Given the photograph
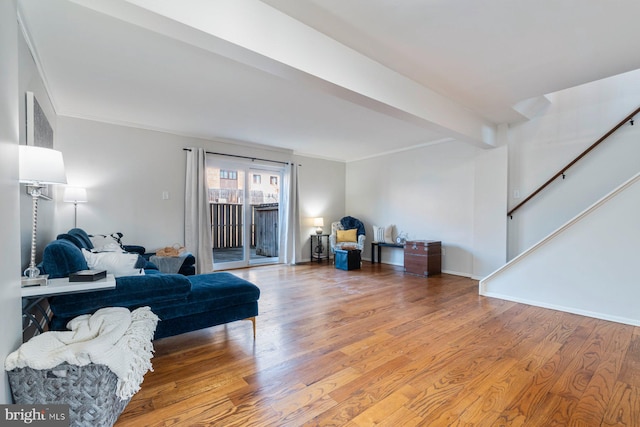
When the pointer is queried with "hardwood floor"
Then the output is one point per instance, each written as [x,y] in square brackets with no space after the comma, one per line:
[378,347]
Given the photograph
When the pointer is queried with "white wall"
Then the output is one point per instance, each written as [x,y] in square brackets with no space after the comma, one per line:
[322,194]
[490,207]
[430,193]
[10,302]
[539,148]
[126,170]
[588,267]
[31,81]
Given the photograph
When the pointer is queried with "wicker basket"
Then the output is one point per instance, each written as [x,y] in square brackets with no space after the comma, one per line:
[89,390]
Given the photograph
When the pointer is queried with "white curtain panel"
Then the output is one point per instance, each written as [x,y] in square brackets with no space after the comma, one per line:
[290,218]
[197,226]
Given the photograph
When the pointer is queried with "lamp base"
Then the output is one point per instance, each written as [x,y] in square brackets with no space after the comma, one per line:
[35,281]
[32,272]
[318,230]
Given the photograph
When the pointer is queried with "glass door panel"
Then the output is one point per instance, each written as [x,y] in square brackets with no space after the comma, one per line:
[245,213]
[264,196]
[227,201]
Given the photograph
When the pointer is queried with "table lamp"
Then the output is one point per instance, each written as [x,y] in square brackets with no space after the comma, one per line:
[75,195]
[38,167]
[318,223]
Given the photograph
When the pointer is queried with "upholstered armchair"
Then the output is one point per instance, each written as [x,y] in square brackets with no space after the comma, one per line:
[347,240]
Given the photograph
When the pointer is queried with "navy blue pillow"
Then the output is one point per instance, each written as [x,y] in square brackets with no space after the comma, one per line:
[83,236]
[61,258]
[73,239]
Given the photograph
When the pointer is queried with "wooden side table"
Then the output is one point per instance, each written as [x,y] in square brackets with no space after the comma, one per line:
[319,250]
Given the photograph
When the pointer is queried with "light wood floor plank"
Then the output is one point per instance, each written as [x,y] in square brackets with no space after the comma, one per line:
[624,407]
[377,347]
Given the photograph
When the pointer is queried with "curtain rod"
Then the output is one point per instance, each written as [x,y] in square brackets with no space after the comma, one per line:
[244,157]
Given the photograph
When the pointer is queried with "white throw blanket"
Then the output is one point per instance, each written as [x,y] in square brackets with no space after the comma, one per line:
[112,336]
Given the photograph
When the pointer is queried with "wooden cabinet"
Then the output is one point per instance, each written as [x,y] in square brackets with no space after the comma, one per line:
[423,257]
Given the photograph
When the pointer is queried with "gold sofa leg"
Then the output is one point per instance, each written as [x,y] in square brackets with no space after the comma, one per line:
[253,320]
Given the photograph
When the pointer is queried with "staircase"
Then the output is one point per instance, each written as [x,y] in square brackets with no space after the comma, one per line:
[588,266]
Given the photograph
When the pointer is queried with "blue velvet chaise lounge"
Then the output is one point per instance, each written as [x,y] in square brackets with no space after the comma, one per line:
[183,303]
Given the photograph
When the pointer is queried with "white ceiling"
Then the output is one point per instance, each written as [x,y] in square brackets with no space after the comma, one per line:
[390,75]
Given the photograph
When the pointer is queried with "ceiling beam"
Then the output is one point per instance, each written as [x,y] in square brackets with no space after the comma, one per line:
[260,36]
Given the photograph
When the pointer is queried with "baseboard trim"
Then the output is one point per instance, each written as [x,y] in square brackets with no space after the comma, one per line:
[587,313]
[457,273]
[452,272]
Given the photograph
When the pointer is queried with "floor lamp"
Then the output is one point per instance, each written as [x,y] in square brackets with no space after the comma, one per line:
[75,195]
[38,167]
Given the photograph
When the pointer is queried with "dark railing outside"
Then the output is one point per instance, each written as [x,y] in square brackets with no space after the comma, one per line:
[227,227]
[629,118]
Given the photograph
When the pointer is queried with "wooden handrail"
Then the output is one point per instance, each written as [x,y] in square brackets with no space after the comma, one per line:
[574,161]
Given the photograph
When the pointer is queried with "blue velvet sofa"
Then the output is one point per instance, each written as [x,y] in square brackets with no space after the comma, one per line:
[183,303]
[80,238]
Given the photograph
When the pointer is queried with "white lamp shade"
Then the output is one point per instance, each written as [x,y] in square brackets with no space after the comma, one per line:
[38,165]
[75,195]
[318,222]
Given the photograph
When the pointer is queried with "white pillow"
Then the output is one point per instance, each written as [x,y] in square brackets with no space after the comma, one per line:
[384,234]
[103,243]
[390,233]
[117,263]
[378,234]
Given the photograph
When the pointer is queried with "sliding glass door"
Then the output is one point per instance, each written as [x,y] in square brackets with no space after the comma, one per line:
[245,210]
[264,205]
